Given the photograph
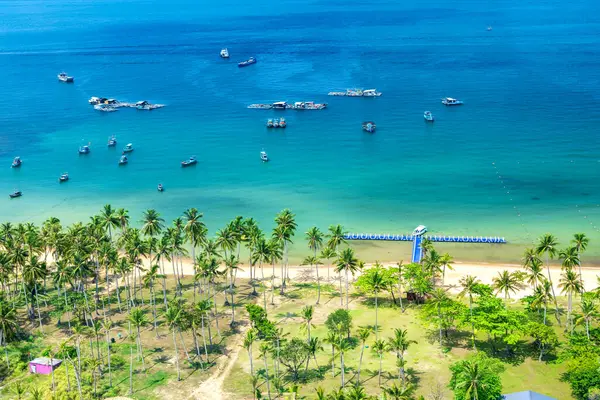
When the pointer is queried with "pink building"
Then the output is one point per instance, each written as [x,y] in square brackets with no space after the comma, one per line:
[42,365]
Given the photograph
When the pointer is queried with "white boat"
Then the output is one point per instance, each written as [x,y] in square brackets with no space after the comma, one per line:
[263,156]
[449,101]
[128,148]
[371,93]
[420,230]
[105,108]
[428,116]
[63,77]
[224,53]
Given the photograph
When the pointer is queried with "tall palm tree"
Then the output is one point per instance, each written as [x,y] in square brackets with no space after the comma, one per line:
[151,276]
[396,392]
[315,237]
[33,272]
[332,339]
[194,228]
[376,282]
[547,245]
[379,348]
[541,296]
[399,343]
[138,319]
[307,317]
[589,312]
[471,378]
[580,241]
[439,297]
[314,345]
[342,346]
[328,254]
[153,224]
[123,218]
[569,258]
[469,284]
[506,282]
[363,334]
[8,326]
[569,284]
[336,237]
[109,219]
[173,319]
[248,342]
[347,262]
[231,265]
[312,260]
[535,272]
[426,248]
[275,255]
[286,228]
[107,326]
[265,349]
[446,260]
[262,256]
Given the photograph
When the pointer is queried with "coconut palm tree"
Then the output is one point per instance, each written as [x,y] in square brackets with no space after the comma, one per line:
[328,254]
[123,218]
[379,348]
[332,339]
[569,284]
[314,345]
[153,225]
[307,316]
[248,342]
[399,343]
[363,334]
[231,266]
[312,260]
[376,282]
[194,228]
[265,349]
[439,297]
[547,245]
[446,260]
[426,248]
[286,228]
[315,237]
[469,284]
[8,325]
[109,219]
[541,296]
[471,378]
[151,276]
[589,312]
[580,241]
[506,282]
[107,326]
[173,319]
[347,262]
[342,345]
[262,255]
[395,392]
[138,319]
[569,258]
[275,255]
[535,272]
[336,237]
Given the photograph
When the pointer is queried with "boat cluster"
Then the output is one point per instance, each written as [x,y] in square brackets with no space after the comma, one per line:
[282,105]
[111,105]
[276,123]
[357,93]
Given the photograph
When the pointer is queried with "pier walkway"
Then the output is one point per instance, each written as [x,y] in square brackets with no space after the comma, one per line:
[417,252]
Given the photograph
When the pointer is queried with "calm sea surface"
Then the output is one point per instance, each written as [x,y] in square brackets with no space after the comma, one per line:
[519,159]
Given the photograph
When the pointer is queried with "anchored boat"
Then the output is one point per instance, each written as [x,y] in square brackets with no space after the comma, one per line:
[249,61]
[128,148]
[428,116]
[16,193]
[16,162]
[369,126]
[112,141]
[84,149]
[160,187]
[224,53]
[191,161]
[449,101]
[63,77]
[263,156]
[63,177]
[123,160]
[105,108]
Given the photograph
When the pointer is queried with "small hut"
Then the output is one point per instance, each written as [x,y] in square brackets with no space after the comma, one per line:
[43,365]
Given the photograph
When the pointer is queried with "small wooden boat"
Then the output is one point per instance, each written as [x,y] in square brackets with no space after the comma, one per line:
[369,126]
[269,123]
[160,187]
[263,156]
[224,53]
[16,162]
[63,77]
[128,148]
[428,116]
[16,193]
[123,160]
[250,61]
[84,149]
[63,177]
[282,123]
[112,141]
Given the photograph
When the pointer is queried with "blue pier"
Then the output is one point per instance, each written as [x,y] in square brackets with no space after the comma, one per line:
[417,251]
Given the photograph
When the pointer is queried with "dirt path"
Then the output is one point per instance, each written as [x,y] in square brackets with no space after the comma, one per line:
[212,388]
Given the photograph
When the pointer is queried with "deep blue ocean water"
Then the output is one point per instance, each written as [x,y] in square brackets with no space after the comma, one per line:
[519,159]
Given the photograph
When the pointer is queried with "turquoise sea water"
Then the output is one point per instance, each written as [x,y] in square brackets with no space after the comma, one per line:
[520,158]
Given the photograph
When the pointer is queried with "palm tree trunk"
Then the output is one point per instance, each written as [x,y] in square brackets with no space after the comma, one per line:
[472,322]
[37,302]
[318,281]
[545,312]
[153,301]
[380,360]
[347,288]
[376,316]
[118,294]
[130,370]
[569,309]
[204,338]
[332,360]
[587,328]
[176,355]
[141,349]
[342,365]
[267,376]
[108,358]
[440,318]
[362,350]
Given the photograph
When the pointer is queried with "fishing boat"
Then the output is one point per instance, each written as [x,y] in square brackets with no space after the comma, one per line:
[128,148]
[369,126]
[308,105]
[270,123]
[449,101]
[191,161]
[63,177]
[249,61]
[224,53]
[112,141]
[263,156]
[102,100]
[160,187]
[123,160]
[354,93]
[280,105]
[261,106]
[371,93]
[84,149]
[16,193]
[145,105]
[16,162]
[428,116]
[282,123]
[489,28]
[105,108]
[63,77]
[420,230]
[275,123]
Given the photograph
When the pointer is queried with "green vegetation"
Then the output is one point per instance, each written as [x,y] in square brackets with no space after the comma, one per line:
[101,297]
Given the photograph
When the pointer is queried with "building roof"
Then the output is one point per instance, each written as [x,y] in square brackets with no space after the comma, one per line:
[45,361]
[526,395]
